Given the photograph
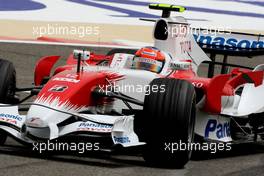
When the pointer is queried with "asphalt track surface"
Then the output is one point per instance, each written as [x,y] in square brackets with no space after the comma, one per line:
[15,159]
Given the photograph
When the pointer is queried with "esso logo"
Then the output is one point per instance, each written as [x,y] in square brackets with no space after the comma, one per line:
[197,84]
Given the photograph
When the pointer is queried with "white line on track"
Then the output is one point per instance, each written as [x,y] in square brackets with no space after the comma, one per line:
[68,44]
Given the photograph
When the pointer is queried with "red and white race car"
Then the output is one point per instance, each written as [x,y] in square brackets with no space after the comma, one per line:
[151,97]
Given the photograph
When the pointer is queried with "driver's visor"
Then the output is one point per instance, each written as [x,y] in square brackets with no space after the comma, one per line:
[147,64]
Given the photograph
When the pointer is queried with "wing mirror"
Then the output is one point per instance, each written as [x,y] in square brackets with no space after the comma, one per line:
[82,54]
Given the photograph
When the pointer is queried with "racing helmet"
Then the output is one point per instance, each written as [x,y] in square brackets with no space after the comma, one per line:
[149,58]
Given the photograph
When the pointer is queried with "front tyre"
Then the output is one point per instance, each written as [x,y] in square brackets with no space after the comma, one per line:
[169,118]
[7,88]
[3,137]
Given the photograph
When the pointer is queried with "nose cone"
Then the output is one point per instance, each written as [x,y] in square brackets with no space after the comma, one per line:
[39,116]
[43,122]
[36,122]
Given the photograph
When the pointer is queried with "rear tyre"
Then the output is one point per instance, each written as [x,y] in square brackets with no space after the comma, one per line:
[7,88]
[7,81]
[169,118]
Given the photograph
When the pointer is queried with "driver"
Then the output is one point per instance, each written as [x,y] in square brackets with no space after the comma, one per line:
[149,58]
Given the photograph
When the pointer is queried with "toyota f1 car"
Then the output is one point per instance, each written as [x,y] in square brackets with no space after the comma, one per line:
[149,97]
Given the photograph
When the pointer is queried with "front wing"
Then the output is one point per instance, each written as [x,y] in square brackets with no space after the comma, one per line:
[120,128]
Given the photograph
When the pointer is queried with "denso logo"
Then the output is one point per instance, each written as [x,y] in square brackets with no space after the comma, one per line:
[67,80]
[229,42]
[220,129]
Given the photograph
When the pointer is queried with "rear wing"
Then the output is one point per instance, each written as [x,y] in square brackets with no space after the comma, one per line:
[229,43]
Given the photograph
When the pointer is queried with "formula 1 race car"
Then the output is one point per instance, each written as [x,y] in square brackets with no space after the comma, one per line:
[151,97]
